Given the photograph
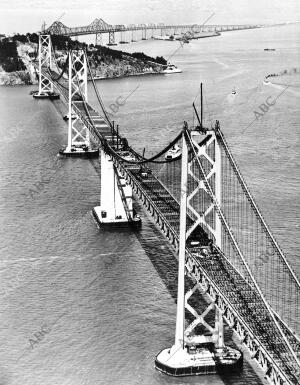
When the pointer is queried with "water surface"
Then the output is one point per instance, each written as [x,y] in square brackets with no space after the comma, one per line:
[102,301]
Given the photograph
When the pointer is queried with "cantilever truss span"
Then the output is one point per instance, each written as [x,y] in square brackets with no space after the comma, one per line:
[100,26]
[245,273]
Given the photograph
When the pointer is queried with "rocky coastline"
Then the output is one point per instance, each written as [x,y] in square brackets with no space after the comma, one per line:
[23,76]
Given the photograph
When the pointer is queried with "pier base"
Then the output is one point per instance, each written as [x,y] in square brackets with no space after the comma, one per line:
[180,362]
[116,206]
[198,360]
[80,151]
[101,218]
[66,117]
[46,95]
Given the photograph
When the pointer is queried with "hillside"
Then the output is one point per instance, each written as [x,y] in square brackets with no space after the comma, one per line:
[17,53]
[109,63]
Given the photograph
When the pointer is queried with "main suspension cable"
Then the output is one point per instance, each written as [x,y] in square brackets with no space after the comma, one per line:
[111,151]
[62,72]
[97,92]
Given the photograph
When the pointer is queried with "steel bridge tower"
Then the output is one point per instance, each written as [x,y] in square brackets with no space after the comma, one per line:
[98,39]
[194,353]
[45,61]
[79,141]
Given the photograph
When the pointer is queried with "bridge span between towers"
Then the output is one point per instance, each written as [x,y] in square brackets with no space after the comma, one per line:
[202,205]
[99,27]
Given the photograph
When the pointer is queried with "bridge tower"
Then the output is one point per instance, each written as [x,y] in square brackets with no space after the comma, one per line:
[152,26]
[115,197]
[123,37]
[98,39]
[195,352]
[78,134]
[132,36]
[45,61]
[111,38]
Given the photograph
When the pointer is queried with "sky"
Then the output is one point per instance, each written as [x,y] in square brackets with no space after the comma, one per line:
[28,15]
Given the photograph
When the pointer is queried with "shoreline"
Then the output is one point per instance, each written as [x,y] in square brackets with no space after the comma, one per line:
[10,82]
[125,76]
[105,63]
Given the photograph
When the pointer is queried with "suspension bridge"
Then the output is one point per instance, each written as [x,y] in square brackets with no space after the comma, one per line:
[99,27]
[201,203]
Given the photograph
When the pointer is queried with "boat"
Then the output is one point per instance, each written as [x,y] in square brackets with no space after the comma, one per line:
[266,80]
[171,69]
[233,92]
[174,153]
[66,117]
[269,49]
